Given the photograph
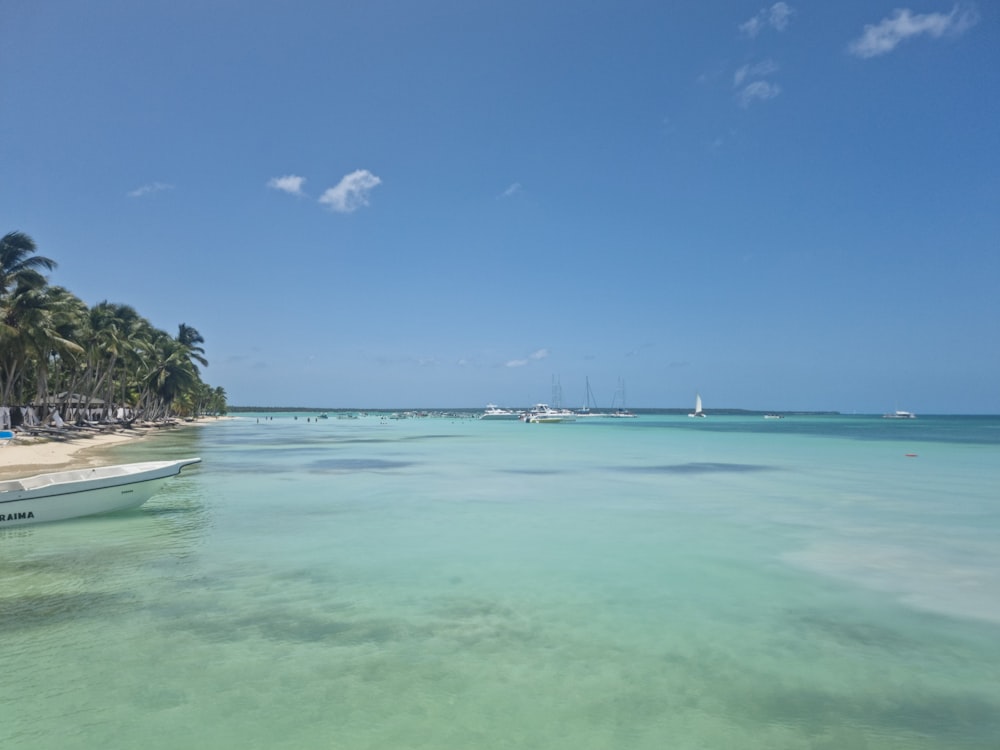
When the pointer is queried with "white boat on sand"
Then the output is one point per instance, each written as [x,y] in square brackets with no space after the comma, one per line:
[83,492]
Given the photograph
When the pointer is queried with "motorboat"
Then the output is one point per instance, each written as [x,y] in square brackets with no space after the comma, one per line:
[543,413]
[83,492]
[899,414]
[495,412]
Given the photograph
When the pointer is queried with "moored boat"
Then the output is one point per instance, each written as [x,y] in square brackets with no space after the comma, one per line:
[83,492]
[586,410]
[495,412]
[899,414]
[621,414]
[543,413]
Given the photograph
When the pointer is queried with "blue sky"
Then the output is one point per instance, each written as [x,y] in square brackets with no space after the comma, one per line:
[389,204]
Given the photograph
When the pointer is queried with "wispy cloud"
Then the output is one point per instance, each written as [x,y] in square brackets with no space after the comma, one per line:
[883,37]
[758,91]
[291,184]
[757,70]
[512,189]
[533,357]
[351,193]
[776,17]
[153,187]
[751,85]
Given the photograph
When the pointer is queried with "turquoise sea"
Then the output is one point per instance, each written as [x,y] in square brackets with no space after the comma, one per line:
[447,583]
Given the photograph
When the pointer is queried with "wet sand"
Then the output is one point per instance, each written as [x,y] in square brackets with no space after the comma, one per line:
[26,456]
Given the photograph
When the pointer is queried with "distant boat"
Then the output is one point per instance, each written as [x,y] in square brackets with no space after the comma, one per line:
[586,411]
[495,412]
[899,414]
[621,412]
[772,416]
[697,407]
[83,492]
[543,413]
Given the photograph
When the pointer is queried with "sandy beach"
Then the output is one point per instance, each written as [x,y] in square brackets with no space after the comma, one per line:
[25,456]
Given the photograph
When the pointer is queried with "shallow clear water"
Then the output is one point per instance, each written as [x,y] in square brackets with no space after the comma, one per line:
[445,583]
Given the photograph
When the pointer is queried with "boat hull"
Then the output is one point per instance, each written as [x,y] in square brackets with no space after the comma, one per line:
[83,492]
[544,414]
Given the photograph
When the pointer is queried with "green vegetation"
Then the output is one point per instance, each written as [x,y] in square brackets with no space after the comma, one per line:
[58,354]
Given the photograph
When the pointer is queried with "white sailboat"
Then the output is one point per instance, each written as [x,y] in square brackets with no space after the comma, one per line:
[697,407]
[621,412]
[587,411]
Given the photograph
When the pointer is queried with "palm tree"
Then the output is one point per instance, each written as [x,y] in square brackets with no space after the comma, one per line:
[18,275]
[50,342]
[170,375]
[217,403]
[36,326]
[19,265]
[190,338]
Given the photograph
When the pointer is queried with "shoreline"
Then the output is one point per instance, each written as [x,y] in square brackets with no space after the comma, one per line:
[24,457]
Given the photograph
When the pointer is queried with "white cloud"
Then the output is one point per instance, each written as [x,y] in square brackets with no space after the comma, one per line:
[779,16]
[514,187]
[883,37]
[534,356]
[291,184]
[757,70]
[752,27]
[351,193]
[775,17]
[758,91]
[153,187]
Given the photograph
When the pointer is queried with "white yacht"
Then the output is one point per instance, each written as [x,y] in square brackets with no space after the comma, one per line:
[540,413]
[495,412]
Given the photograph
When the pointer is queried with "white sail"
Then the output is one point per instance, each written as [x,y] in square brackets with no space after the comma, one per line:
[697,407]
